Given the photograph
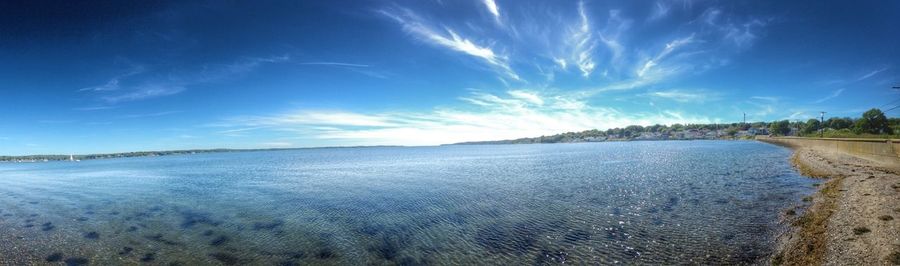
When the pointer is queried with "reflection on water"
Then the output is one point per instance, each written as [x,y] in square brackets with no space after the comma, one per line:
[638,202]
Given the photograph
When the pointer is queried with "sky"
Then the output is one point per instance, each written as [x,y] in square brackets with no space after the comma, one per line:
[114,76]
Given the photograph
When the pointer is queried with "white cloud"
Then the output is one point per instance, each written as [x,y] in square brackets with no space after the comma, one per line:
[145,92]
[179,82]
[113,83]
[163,113]
[530,97]
[660,11]
[489,116]
[584,44]
[871,74]
[741,34]
[492,7]
[332,64]
[93,108]
[684,96]
[834,94]
[765,98]
[667,49]
[448,38]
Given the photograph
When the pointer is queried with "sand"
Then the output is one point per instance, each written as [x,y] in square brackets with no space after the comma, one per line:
[853,219]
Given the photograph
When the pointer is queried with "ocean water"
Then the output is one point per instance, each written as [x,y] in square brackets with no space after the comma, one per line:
[675,202]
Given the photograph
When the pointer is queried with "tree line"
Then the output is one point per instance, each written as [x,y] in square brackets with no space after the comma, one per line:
[872,123]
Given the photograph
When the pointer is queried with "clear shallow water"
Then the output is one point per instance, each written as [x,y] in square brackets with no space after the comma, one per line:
[694,202]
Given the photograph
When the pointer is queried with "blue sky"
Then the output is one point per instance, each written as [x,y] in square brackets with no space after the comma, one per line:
[115,76]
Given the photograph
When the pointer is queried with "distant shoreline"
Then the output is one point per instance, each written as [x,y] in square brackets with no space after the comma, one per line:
[82,157]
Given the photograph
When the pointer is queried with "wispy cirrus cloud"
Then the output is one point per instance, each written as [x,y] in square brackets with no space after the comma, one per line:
[667,49]
[492,7]
[167,84]
[740,33]
[113,83]
[685,96]
[332,64]
[146,91]
[833,95]
[871,74]
[448,38]
[606,59]
[94,108]
[765,98]
[660,10]
[146,115]
[583,43]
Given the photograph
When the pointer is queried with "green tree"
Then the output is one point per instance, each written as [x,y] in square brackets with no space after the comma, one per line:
[732,131]
[873,121]
[838,123]
[782,127]
[811,126]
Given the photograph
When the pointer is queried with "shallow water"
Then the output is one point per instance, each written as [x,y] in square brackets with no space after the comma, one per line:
[696,202]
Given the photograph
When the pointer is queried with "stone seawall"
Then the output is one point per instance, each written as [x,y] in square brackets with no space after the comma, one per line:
[885,151]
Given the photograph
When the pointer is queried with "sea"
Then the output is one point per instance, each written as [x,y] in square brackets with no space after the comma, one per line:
[646,202]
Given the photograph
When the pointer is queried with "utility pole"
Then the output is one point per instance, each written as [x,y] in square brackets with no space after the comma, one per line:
[822,125]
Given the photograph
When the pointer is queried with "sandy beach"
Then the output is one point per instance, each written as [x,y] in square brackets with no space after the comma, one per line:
[853,218]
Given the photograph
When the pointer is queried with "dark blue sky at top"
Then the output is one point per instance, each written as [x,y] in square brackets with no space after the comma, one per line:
[117,76]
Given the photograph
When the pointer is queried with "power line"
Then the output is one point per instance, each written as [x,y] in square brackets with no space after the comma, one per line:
[892,102]
[895,107]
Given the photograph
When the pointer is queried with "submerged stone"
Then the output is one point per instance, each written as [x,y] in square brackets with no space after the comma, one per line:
[190,219]
[92,235]
[518,239]
[325,254]
[159,238]
[267,226]
[126,251]
[76,261]
[225,258]
[55,257]
[218,241]
[148,257]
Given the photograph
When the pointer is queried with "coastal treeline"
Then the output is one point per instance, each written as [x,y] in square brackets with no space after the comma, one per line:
[872,123]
